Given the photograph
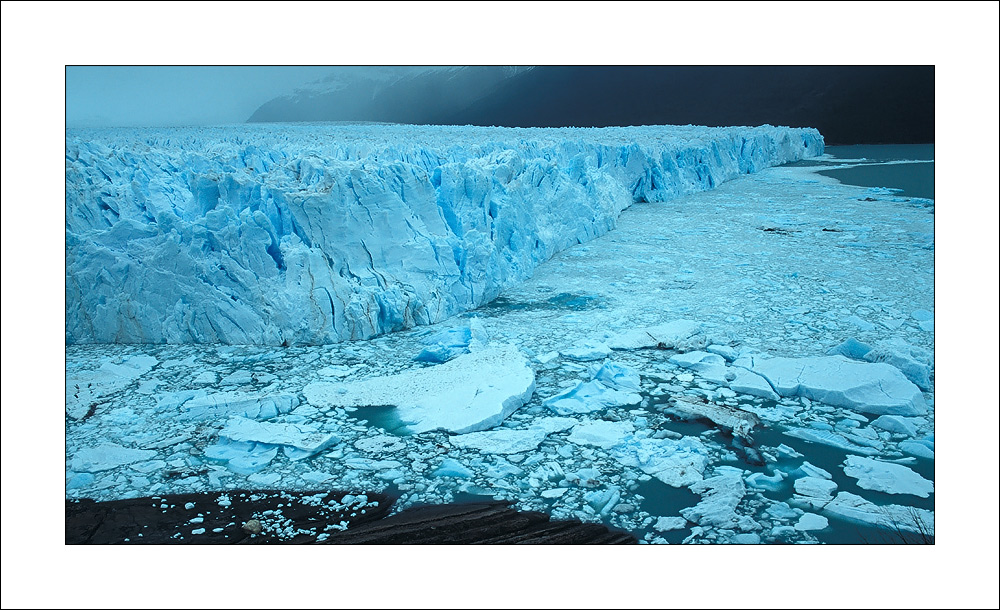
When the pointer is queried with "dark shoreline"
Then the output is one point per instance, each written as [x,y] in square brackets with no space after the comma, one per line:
[317,518]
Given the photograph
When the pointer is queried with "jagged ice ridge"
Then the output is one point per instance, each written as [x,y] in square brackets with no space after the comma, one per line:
[318,233]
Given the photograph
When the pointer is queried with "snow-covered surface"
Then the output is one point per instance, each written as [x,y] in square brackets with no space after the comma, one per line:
[765,295]
[306,234]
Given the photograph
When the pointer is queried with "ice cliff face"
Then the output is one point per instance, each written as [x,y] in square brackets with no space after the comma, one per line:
[306,234]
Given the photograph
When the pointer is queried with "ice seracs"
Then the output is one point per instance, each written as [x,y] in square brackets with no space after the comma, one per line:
[472,392]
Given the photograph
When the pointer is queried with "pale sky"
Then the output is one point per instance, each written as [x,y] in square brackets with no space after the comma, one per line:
[131,96]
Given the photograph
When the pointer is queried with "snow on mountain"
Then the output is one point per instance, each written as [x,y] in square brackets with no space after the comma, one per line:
[317,233]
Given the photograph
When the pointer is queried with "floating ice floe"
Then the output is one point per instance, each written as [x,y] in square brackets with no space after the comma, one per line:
[242,457]
[888,478]
[612,385]
[106,457]
[917,449]
[676,462]
[672,335]
[586,351]
[827,437]
[473,392]
[298,441]
[814,488]
[199,404]
[896,424]
[443,345]
[500,441]
[85,388]
[603,434]
[452,468]
[894,517]
[810,522]
[666,524]
[710,366]
[875,388]
[720,495]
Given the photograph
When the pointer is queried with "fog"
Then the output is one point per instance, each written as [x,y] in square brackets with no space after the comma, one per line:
[157,96]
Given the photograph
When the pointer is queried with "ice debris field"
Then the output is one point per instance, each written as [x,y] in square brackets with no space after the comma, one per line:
[745,358]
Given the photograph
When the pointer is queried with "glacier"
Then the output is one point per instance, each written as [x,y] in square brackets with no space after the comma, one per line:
[306,234]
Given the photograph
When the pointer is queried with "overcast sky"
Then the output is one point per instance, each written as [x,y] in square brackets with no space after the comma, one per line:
[127,96]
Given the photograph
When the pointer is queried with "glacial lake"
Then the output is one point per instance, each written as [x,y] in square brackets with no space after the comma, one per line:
[909,167]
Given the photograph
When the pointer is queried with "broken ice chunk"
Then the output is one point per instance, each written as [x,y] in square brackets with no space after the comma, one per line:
[300,441]
[672,335]
[603,434]
[885,477]
[452,468]
[472,392]
[710,366]
[852,348]
[107,456]
[500,441]
[613,385]
[875,388]
[586,351]
[811,522]
[896,424]
[444,345]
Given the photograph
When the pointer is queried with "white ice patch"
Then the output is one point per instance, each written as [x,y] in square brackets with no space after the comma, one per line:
[888,478]
[826,437]
[258,405]
[84,388]
[710,366]
[672,335]
[677,462]
[106,457]
[720,496]
[603,434]
[500,441]
[894,517]
[612,385]
[861,386]
[586,351]
[299,441]
[470,393]
[747,382]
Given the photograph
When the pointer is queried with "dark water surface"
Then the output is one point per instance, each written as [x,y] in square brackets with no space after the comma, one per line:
[875,169]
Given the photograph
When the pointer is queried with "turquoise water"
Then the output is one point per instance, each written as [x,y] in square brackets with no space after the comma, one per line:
[913,179]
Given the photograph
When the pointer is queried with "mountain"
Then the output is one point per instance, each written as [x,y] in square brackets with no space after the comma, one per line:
[392,94]
[848,104]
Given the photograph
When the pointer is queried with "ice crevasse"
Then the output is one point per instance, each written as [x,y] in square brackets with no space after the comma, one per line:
[318,233]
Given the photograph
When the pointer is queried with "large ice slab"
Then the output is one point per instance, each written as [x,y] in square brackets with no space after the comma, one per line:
[473,392]
[888,478]
[306,234]
[866,387]
[894,517]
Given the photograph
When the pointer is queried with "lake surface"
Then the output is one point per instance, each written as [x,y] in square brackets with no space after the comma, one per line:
[908,167]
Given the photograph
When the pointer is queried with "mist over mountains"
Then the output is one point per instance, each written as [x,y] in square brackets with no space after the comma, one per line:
[848,104]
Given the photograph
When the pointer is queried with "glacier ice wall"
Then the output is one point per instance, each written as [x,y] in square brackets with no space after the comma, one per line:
[317,233]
